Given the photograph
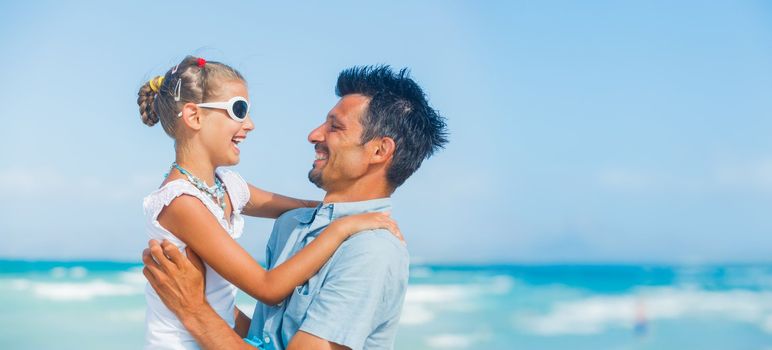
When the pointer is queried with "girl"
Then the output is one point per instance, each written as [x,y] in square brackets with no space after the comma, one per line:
[204,107]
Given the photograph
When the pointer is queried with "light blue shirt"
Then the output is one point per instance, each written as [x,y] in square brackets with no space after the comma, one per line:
[354,300]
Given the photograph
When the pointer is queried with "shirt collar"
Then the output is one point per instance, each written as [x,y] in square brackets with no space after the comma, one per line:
[332,211]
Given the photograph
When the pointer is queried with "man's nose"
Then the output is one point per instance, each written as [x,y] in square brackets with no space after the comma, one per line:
[316,135]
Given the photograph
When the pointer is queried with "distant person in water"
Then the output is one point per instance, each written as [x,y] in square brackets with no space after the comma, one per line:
[371,141]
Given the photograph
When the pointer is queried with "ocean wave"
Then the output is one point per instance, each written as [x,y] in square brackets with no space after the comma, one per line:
[415,314]
[597,314]
[416,310]
[72,272]
[420,272]
[422,300]
[438,293]
[443,293]
[457,341]
[450,341]
[74,291]
[133,276]
[17,284]
[84,291]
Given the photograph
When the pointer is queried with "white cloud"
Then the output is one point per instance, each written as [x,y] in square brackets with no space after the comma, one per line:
[756,175]
[627,180]
[18,180]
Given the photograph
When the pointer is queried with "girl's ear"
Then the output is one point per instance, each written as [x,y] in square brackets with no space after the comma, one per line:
[191,116]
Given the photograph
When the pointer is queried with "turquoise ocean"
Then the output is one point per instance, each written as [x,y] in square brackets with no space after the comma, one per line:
[100,305]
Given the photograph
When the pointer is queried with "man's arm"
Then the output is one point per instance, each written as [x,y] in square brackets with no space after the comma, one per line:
[180,285]
[363,291]
[303,341]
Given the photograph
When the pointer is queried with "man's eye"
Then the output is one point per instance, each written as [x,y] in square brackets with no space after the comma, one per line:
[335,127]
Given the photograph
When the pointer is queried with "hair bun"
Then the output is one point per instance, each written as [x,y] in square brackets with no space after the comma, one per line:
[156,83]
[145,100]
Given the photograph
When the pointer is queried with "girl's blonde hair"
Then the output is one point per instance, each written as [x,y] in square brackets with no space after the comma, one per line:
[192,80]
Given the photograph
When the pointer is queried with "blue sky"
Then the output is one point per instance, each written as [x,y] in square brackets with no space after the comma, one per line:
[580,131]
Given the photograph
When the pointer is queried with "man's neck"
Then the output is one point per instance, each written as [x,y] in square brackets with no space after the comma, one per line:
[341,198]
[356,193]
[371,186]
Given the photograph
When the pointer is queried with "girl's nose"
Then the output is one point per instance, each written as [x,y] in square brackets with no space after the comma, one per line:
[248,124]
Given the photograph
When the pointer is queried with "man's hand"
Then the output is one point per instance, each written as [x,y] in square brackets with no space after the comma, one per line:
[179,281]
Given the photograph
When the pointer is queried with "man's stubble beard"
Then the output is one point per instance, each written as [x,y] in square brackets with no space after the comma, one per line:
[315,178]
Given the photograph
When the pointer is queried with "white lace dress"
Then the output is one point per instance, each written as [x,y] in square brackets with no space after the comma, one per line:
[162,328]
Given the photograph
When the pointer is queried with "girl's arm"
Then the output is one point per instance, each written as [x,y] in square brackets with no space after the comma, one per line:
[265,204]
[188,219]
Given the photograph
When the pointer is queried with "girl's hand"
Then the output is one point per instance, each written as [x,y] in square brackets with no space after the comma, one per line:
[352,224]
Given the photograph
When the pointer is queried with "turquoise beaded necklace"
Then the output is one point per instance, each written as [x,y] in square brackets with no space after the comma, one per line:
[216,192]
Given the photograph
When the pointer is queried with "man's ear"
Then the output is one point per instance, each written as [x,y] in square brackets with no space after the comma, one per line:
[383,150]
[191,116]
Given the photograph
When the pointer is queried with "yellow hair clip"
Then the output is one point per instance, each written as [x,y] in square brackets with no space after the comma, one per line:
[155,83]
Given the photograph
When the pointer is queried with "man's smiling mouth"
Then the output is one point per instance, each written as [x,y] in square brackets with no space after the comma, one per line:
[321,152]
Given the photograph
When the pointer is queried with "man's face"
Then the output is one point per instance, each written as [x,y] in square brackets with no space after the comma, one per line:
[340,156]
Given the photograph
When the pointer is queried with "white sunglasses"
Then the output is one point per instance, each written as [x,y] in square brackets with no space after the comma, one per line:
[237,107]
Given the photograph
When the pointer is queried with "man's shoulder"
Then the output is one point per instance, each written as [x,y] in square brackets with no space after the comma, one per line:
[291,216]
[379,247]
[283,227]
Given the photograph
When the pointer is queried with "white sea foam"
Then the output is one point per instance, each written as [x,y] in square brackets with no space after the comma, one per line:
[18,284]
[133,276]
[450,341]
[74,291]
[437,293]
[415,314]
[78,272]
[418,299]
[423,301]
[502,284]
[72,272]
[767,325]
[448,293]
[596,314]
[58,272]
[83,291]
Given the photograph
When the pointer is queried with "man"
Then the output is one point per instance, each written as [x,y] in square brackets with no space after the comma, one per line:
[372,140]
